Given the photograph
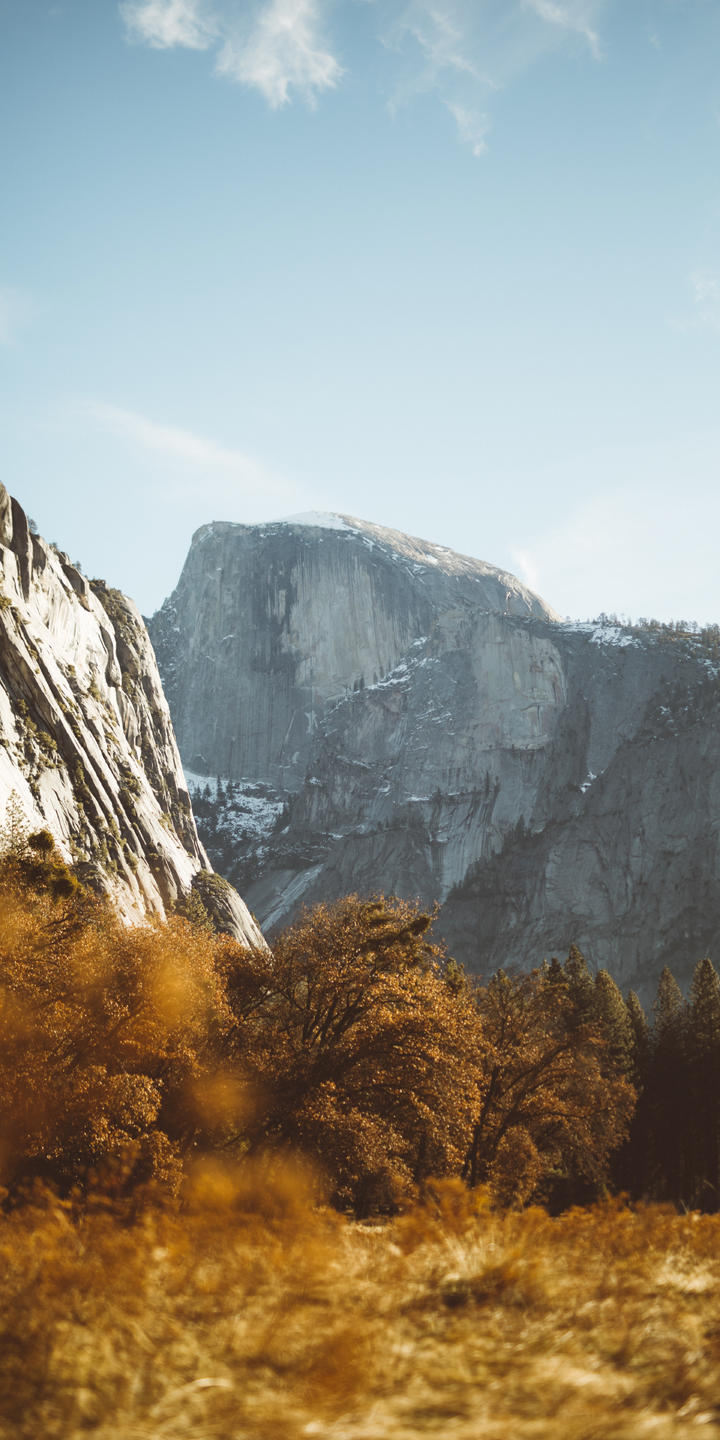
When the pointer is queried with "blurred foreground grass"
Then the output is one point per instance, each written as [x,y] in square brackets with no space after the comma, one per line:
[252,1314]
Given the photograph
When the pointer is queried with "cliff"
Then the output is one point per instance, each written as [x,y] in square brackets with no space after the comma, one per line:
[86,740]
[272,624]
[388,715]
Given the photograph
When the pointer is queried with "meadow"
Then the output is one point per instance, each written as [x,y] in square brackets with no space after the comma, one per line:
[256,1314]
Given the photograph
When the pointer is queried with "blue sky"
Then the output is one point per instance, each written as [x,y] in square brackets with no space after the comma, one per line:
[449,265]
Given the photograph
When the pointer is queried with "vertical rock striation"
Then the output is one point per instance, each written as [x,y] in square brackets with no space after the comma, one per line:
[86,740]
[272,624]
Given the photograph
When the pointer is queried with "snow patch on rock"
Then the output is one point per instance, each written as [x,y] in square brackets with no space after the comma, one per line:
[318,519]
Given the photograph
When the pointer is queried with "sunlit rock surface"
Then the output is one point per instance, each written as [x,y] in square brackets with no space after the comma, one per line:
[387,715]
[86,740]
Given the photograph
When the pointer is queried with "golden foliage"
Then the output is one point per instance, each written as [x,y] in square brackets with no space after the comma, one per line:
[554,1102]
[365,1056]
[355,1044]
[104,1033]
[190,1103]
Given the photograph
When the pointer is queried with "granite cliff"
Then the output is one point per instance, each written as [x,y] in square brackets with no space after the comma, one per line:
[387,715]
[86,741]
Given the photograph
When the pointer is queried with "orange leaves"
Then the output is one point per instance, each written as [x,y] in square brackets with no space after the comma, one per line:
[103,1028]
[355,1045]
[554,1102]
[367,1055]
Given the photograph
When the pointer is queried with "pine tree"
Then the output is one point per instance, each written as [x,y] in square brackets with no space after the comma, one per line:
[631,1170]
[704,1083]
[580,986]
[641,1039]
[613,1017]
[14,833]
[667,1095]
[669,1009]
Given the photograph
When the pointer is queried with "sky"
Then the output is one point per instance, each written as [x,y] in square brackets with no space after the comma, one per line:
[451,266]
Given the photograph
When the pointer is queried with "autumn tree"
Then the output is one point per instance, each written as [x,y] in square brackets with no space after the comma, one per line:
[554,1102]
[108,1035]
[362,1052]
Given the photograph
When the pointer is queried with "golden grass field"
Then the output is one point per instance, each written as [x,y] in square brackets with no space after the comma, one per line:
[252,1314]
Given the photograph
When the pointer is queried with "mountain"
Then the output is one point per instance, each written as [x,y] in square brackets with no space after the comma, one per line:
[271,624]
[86,741]
[384,714]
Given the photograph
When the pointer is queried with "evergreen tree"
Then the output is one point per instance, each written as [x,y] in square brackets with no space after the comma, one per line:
[613,1017]
[631,1170]
[667,1096]
[580,986]
[14,833]
[641,1039]
[704,1083]
[669,1009]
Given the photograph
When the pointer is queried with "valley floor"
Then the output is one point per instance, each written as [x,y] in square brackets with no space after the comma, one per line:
[254,1316]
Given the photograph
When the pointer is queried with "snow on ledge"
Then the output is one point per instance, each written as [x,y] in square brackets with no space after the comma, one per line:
[317,518]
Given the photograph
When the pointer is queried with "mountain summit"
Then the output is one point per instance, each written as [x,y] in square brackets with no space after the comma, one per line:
[386,715]
[271,624]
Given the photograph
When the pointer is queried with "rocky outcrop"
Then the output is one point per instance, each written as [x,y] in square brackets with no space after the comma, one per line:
[390,716]
[270,625]
[620,853]
[86,740]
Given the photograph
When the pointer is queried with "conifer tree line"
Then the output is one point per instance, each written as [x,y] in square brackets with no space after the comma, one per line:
[127,1053]
[673,1149]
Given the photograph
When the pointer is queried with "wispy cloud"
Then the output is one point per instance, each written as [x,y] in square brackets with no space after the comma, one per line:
[282,49]
[463,50]
[440,30]
[459,50]
[705,296]
[274,46]
[573,15]
[634,550]
[165,24]
[472,126]
[247,475]
[16,311]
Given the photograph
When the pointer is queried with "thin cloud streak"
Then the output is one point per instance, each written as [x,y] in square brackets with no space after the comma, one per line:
[574,15]
[248,475]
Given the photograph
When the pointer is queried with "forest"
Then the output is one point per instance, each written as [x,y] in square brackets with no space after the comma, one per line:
[344,1188]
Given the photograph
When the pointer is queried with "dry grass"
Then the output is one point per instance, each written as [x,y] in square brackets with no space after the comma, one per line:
[254,1315]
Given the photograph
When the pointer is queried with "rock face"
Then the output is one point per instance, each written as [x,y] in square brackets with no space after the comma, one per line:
[86,740]
[390,716]
[272,624]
